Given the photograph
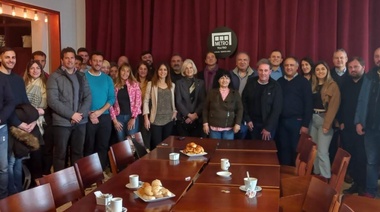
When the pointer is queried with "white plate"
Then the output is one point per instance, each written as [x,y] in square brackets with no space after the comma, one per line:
[128,185]
[224,173]
[258,188]
[123,209]
[193,155]
[153,200]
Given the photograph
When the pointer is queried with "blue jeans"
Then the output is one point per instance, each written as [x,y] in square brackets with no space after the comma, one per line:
[242,134]
[227,135]
[372,149]
[14,174]
[3,162]
[123,119]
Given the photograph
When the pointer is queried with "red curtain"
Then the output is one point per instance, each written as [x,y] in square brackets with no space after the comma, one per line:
[298,28]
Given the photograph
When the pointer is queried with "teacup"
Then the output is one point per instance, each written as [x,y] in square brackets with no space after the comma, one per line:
[134,180]
[224,164]
[174,156]
[116,204]
[250,183]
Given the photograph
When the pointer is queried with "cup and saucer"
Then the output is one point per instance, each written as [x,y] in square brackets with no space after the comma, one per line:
[257,188]
[128,185]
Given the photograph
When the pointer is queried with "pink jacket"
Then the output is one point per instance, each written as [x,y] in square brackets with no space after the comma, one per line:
[134,93]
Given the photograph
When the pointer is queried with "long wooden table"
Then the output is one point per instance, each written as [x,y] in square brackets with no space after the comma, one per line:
[194,179]
[247,145]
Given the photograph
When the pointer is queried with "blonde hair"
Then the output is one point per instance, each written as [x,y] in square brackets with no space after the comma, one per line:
[187,62]
[119,82]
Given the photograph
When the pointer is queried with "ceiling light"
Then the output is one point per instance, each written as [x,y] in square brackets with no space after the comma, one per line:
[25,14]
[13,11]
[35,16]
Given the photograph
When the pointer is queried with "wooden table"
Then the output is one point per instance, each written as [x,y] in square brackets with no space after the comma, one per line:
[246,157]
[208,144]
[202,197]
[163,154]
[268,176]
[362,204]
[247,145]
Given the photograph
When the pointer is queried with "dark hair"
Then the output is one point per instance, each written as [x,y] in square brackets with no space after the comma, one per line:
[148,76]
[146,52]
[156,77]
[67,50]
[77,57]
[27,78]
[82,49]
[38,53]
[264,61]
[310,61]
[359,59]
[113,64]
[6,49]
[96,53]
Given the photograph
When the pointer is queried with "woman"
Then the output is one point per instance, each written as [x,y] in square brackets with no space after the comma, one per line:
[143,78]
[223,110]
[326,101]
[189,95]
[113,71]
[307,66]
[158,118]
[35,84]
[127,105]
[106,67]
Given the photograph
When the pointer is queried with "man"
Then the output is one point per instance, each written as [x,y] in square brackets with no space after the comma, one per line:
[40,56]
[147,57]
[99,127]
[239,78]
[276,59]
[175,65]
[7,106]
[79,63]
[83,53]
[339,72]
[367,121]
[211,72]
[262,101]
[8,61]
[351,141]
[296,111]
[69,97]
[122,59]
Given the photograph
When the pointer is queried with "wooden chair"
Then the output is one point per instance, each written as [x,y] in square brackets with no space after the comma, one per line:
[64,185]
[39,198]
[304,162]
[359,203]
[338,169]
[320,196]
[345,208]
[89,171]
[120,155]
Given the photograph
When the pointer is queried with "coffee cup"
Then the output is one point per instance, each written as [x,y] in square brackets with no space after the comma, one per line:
[134,180]
[174,156]
[224,164]
[116,204]
[250,183]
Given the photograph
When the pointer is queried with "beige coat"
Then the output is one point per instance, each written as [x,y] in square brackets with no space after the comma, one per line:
[152,93]
[330,95]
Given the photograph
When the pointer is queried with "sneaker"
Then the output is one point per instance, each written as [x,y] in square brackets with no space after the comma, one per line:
[352,190]
[368,195]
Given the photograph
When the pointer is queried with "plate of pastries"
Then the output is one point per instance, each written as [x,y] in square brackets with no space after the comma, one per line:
[193,149]
[152,192]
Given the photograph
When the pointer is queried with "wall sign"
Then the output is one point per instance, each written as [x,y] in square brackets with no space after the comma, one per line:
[222,41]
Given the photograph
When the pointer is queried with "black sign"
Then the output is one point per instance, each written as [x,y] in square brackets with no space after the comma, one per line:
[222,41]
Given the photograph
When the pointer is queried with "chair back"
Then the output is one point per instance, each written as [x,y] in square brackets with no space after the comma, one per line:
[306,158]
[345,208]
[39,198]
[320,196]
[89,171]
[303,139]
[120,155]
[339,169]
[64,185]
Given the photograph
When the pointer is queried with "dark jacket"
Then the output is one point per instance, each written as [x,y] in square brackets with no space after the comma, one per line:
[219,113]
[7,102]
[271,102]
[60,97]
[235,80]
[182,98]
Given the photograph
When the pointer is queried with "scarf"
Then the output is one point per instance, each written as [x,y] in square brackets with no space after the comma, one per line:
[36,92]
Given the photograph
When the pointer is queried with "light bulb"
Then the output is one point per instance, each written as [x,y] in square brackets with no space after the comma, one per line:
[1,8]
[13,11]
[46,18]
[25,14]
[35,16]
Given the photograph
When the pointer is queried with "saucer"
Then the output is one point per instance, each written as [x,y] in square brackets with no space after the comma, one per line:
[123,209]
[128,185]
[258,188]
[224,173]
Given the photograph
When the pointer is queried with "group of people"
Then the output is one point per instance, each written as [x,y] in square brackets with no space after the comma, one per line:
[88,103]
